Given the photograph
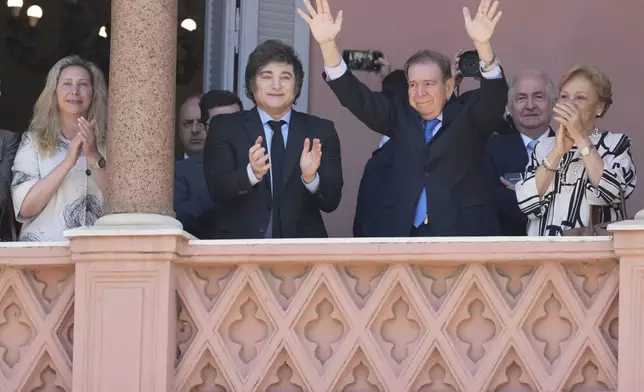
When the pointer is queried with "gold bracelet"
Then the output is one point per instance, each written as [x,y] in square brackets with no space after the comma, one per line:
[548,166]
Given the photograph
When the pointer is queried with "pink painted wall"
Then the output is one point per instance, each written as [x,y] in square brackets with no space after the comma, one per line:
[551,35]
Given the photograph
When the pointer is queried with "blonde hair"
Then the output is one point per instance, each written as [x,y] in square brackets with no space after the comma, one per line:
[46,126]
[599,79]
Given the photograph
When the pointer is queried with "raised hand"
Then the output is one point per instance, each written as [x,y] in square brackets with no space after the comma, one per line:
[258,159]
[324,27]
[568,115]
[89,140]
[481,28]
[310,159]
[563,141]
[73,151]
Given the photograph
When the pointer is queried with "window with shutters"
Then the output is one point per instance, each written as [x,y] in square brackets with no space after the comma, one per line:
[221,52]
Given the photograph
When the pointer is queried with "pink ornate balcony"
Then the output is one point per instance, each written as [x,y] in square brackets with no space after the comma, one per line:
[152,312]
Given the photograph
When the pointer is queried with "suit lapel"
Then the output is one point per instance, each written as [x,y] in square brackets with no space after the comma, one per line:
[418,132]
[297,132]
[254,129]
[450,111]
[519,145]
[551,133]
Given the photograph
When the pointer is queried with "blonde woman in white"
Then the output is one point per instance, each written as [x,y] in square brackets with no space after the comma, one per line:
[59,178]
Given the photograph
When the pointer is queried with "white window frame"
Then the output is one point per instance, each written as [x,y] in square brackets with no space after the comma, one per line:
[230,40]
[241,34]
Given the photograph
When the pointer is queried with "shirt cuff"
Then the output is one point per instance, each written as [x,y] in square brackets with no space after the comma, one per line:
[494,73]
[333,73]
[251,176]
[313,185]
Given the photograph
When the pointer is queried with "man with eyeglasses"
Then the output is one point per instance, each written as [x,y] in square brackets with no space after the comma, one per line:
[192,203]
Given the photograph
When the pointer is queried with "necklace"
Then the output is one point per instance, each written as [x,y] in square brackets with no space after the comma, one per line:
[575,163]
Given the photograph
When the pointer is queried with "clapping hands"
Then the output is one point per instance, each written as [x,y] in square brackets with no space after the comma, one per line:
[310,159]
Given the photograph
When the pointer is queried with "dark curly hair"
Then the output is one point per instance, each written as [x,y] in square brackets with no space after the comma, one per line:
[268,52]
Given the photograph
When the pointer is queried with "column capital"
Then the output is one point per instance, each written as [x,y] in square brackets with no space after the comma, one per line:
[135,237]
[628,236]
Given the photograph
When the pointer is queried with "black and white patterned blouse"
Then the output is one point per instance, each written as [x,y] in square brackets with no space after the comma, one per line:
[568,200]
[78,201]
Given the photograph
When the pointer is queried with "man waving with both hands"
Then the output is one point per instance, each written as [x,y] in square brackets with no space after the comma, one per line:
[440,187]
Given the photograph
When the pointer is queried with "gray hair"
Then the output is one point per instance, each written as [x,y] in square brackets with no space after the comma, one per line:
[431,56]
[551,91]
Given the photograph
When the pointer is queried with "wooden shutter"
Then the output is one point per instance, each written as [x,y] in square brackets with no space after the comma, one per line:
[222,22]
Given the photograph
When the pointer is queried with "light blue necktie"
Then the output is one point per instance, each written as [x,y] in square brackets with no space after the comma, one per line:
[421,208]
[531,146]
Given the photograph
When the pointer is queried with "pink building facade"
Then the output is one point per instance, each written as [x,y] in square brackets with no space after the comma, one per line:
[134,305]
[548,35]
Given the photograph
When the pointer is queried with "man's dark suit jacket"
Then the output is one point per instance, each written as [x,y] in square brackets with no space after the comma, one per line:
[246,209]
[374,207]
[506,153]
[459,201]
[192,203]
[9,142]
[375,203]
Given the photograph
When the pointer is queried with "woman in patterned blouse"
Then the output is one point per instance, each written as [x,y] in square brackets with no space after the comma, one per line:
[59,180]
[581,166]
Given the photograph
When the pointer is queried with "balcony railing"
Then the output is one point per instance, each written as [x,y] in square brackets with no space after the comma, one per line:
[488,314]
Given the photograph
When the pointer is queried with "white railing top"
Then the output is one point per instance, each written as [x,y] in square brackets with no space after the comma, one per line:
[444,250]
[448,250]
[34,253]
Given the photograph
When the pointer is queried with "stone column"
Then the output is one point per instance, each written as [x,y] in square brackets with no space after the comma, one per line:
[125,299]
[141,107]
[628,238]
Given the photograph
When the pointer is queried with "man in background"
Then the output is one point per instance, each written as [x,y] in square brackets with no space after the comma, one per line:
[531,98]
[216,102]
[193,205]
[9,142]
[191,130]
[374,205]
